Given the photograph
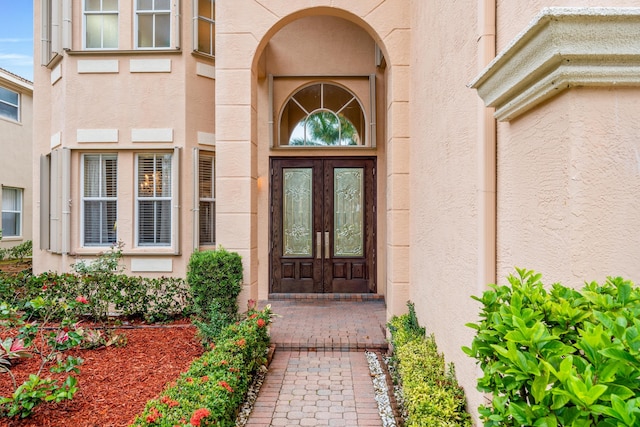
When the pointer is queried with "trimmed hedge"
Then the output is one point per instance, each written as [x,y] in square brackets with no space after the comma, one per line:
[215,280]
[432,396]
[216,384]
[154,299]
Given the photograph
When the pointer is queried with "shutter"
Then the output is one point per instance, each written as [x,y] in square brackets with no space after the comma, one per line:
[196,199]
[175,200]
[45,182]
[66,200]
[206,189]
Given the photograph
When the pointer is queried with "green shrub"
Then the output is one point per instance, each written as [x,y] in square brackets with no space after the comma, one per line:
[559,356]
[432,396]
[215,279]
[216,384]
[18,252]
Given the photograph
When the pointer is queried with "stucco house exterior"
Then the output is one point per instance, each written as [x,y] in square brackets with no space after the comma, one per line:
[413,149]
[16,158]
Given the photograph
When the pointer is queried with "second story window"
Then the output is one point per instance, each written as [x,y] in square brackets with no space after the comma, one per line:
[9,104]
[206,27]
[101,24]
[153,20]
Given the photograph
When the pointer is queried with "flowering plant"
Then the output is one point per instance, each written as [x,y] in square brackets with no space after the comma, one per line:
[215,385]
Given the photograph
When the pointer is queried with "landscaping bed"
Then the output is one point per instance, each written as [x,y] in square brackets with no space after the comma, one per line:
[115,383]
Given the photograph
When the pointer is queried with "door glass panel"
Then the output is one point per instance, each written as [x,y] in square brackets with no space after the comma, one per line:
[297,212]
[348,232]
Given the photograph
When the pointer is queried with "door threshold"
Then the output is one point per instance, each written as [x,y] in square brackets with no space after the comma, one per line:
[325,297]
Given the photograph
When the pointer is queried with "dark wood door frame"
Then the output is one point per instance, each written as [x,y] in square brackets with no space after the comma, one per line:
[322,271]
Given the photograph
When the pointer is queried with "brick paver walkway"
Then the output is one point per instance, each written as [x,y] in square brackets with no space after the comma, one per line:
[319,375]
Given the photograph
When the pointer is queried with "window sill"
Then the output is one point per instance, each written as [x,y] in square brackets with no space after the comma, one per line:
[117,52]
[11,238]
[134,252]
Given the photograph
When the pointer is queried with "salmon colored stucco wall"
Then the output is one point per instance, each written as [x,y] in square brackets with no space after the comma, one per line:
[568,184]
[444,168]
[180,99]
[16,148]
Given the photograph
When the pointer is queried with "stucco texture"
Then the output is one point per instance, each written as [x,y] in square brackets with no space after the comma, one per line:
[444,168]
[569,175]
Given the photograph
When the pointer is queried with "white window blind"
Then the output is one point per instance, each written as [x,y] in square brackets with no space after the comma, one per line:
[11,212]
[153,18]
[207,205]
[154,197]
[99,199]
[101,24]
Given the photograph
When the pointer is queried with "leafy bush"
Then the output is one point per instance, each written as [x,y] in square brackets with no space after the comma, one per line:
[38,389]
[559,356]
[432,396]
[215,385]
[105,288]
[19,252]
[215,279]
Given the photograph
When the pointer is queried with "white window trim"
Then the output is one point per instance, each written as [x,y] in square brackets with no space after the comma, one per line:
[18,119]
[173,213]
[152,12]
[100,12]
[20,212]
[83,199]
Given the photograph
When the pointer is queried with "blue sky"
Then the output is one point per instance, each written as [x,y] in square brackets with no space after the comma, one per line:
[16,37]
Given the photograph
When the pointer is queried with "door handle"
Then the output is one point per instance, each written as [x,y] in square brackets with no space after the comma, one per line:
[327,249]
[319,244]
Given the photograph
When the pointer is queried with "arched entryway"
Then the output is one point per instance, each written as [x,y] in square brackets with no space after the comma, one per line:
[322,156]
[277,52]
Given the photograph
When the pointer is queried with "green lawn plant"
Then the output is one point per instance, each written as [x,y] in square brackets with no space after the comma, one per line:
[214,387]
[556,356]
[432,396]
[215,280]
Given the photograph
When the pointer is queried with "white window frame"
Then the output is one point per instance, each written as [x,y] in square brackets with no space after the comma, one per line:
[100,12]
[18,212]
[101,198]
[152,12]
[155,198]
[209,200]
[197,19]
[17,118]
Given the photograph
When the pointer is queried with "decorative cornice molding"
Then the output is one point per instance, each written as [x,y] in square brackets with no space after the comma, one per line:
[562,48]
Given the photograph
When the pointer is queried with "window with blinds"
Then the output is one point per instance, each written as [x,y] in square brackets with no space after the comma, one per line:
[99,199]
[153,199]
[207,191]
[11,212]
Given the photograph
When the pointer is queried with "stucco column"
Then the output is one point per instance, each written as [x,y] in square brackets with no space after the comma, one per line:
[236,206]
[398,174]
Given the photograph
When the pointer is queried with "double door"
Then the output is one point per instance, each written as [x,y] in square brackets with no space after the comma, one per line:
[322,225]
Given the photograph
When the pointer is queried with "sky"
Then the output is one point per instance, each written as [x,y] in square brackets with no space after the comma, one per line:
[16,37]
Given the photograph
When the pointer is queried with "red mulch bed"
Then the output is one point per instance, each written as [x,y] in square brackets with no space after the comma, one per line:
[115,382]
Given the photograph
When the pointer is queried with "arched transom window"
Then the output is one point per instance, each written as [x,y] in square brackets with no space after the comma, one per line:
[322,115]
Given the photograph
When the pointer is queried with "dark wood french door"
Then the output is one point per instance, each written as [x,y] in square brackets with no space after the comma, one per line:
[323,225]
